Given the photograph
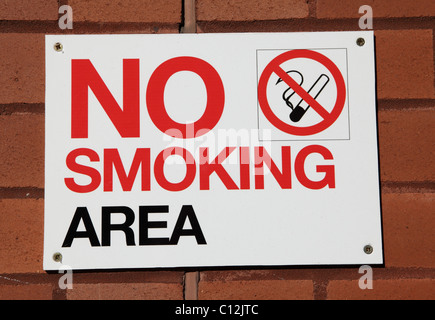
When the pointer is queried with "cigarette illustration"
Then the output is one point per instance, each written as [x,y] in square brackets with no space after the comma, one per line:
[302,107]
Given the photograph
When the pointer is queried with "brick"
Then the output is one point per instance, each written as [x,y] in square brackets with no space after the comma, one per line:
[256,290]
[22,68]
[22,150]
[381,9]
[26,292]
[408,225]
[247,10]
[256,274]
[29,9]
[406,144]
[126,291]
[391,289]
[163,11]
[135,276]
[21,235]
[405,64]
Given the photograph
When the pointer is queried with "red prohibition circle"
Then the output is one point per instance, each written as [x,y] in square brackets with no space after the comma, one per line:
[274,67]
[156,104]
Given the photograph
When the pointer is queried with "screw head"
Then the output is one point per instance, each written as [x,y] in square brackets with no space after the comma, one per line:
[368,249]
[57,257]
[360,41]
[58,46]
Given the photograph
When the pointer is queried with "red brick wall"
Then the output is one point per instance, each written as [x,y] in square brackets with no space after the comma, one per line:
[404,31]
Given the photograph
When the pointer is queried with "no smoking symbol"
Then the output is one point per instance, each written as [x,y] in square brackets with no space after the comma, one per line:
[327,118]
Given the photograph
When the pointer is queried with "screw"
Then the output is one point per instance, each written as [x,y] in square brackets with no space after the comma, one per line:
[57,257]
[360,41]
[368,249]
[58,46]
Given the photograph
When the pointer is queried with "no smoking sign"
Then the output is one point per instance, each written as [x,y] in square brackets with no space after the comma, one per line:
[302,94]
[202,150]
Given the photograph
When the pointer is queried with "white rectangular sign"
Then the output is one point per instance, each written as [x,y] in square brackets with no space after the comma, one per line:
[211,150]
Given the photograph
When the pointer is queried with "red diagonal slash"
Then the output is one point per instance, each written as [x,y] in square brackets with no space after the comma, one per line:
[301,92]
